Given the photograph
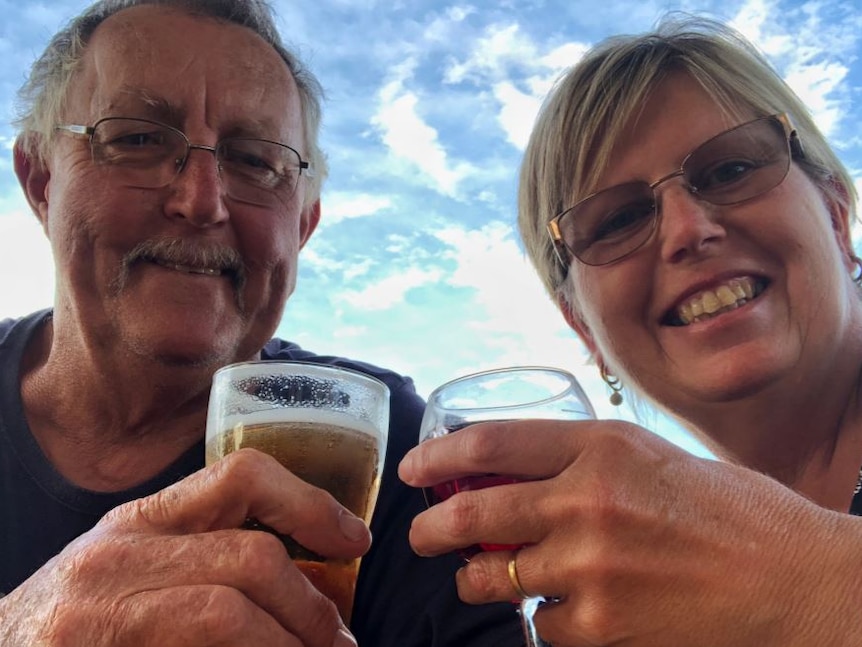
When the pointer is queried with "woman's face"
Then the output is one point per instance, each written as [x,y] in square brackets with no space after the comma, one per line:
[788,246]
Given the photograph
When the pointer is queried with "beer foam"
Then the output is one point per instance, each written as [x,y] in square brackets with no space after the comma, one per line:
[295,414]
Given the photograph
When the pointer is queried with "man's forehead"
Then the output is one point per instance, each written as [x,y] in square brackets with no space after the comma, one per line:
[167,60]
[153,32]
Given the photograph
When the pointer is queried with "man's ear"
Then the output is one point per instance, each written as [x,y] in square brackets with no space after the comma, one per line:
[308,222]
[34,177]
[577,324]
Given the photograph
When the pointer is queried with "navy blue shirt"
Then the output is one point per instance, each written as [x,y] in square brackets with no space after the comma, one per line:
[401,601]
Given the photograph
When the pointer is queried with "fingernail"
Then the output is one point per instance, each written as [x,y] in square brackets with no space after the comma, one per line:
[353,528]
[405,468]
[344,639]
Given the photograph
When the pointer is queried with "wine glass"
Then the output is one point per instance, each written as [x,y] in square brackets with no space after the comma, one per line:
[502,394]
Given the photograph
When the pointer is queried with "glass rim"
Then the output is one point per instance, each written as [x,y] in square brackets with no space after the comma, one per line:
[572,382]
[318,370]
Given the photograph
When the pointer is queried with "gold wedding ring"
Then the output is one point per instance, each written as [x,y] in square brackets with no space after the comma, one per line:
[513,578]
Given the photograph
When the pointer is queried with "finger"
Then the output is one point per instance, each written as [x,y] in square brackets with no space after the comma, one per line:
[249,484]
[487,578]
[205,616]
[507,514]
[524,448]
[252,563]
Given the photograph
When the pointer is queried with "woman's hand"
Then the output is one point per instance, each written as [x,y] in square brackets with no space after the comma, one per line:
[175,569]
[641,542]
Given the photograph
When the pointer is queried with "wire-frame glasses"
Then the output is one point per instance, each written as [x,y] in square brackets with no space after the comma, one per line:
[734,166]
[149,155]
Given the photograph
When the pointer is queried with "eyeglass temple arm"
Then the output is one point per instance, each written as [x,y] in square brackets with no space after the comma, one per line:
[560,250]
[797,151]
[76,129]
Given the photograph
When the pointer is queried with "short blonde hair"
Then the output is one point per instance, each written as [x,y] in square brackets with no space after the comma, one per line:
[590,105]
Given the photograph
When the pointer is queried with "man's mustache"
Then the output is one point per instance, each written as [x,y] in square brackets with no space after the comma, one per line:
[182,252]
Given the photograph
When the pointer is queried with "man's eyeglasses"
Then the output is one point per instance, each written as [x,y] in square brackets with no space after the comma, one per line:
[732,167]
[149,155]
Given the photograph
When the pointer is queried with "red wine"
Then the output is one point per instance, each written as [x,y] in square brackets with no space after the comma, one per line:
[443,491]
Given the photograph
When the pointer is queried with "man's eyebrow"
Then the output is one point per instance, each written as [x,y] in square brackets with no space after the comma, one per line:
[156,106]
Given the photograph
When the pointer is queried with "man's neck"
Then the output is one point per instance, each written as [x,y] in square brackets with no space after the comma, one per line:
[110,424]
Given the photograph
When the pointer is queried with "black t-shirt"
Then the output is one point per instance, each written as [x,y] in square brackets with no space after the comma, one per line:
[402,600]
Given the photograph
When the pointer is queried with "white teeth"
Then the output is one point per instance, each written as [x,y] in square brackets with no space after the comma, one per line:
[208,271]
[724,298]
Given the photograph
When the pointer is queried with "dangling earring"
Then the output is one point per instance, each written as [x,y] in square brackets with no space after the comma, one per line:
[613,382]
[857,267]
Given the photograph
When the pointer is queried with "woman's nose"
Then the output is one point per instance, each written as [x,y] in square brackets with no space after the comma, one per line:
[688,225]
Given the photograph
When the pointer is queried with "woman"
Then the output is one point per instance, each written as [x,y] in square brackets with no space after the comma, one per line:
[700,247]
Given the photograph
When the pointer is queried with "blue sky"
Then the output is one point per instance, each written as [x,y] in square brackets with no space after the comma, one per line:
[416,265]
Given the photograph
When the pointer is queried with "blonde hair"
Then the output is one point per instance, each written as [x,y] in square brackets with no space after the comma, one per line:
[42,97]
[590,105]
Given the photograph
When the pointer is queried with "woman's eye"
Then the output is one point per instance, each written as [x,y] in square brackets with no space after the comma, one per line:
[623,221]
[719,175]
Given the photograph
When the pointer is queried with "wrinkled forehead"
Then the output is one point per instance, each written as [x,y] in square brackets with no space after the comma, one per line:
[183,63]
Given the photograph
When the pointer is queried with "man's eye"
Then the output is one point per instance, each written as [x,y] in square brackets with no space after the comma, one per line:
[138,140]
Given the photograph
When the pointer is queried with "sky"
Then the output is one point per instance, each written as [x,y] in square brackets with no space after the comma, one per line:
[416,264]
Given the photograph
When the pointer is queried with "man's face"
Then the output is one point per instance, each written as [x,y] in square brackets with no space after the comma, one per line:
[211,80]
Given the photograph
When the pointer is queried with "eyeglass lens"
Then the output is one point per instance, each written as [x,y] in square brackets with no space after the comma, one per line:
[149,155]
[734,166]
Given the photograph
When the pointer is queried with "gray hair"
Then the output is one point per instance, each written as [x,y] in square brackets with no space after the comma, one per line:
[42,97]
[585,114]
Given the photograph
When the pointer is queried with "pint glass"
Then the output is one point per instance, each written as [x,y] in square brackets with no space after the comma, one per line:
[327,425]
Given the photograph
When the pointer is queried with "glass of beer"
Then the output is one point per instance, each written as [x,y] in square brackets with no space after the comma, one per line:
[327,425]
[502,394]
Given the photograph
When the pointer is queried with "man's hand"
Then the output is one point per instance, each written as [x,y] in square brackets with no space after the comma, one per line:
[175,568]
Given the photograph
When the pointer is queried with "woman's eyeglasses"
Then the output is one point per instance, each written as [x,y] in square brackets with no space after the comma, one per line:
[149,155]
[732,167]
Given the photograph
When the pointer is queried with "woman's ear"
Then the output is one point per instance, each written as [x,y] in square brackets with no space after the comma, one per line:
[837,201]
[577,323]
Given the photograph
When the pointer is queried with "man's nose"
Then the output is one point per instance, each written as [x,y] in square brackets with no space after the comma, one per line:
[197,193]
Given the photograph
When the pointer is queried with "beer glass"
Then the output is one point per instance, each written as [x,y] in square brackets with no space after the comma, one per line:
[327,425]
[501,394]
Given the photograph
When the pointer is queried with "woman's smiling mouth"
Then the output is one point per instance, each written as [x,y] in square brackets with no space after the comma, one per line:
[711,303]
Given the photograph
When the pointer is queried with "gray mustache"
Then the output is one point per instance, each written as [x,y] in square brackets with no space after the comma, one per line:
[179,251]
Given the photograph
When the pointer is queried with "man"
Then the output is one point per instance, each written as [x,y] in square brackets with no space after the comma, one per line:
[169,150]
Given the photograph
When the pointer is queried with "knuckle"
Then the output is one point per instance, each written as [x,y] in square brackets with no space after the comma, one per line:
[477,581]
[243,466]
[482,443]
[263,552]
[462,516]
[597,622]
[322,618]
[221,613]
[91,561]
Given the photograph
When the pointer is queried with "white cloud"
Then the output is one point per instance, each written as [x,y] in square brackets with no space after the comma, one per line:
[493,53]
[27,267]
[493,61]
[813,59]
[517,113]
[391,290]
[412,140]
[337,206]
[440,29]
